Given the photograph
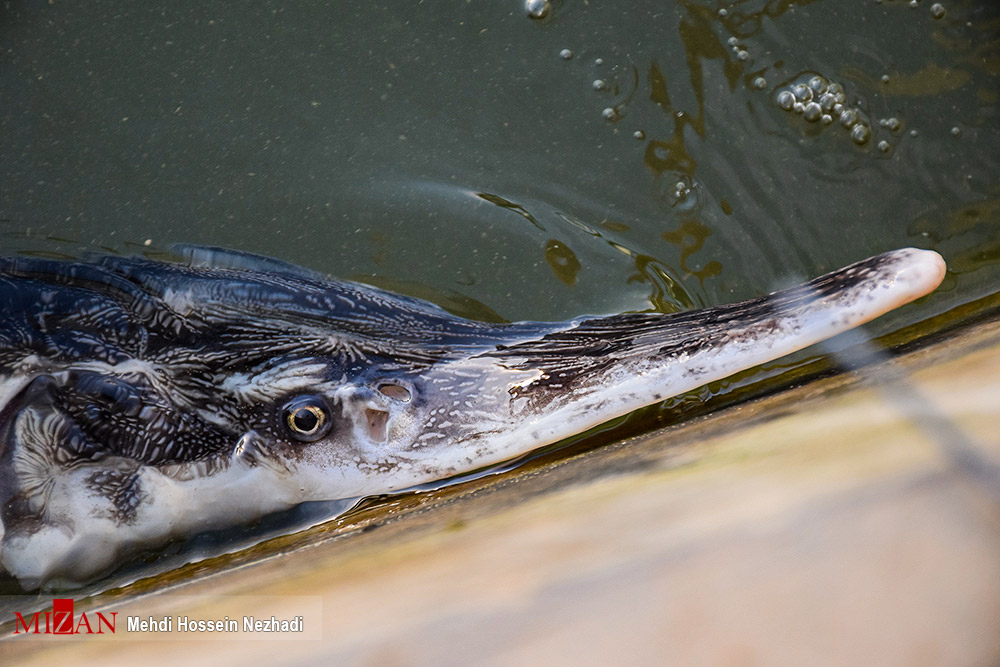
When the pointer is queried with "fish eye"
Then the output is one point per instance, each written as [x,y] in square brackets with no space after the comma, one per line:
[306,418]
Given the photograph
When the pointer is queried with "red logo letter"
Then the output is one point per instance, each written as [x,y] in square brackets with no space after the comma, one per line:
[24,624]
[103,620]
[62,616]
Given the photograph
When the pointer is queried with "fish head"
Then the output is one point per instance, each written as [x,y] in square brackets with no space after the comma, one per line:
[458,397]
[466,412]
[377,426]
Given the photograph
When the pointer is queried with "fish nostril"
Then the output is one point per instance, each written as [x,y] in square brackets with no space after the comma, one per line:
[376,421]
[394,391]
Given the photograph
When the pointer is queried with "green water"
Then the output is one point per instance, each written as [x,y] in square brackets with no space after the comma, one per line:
[450,149]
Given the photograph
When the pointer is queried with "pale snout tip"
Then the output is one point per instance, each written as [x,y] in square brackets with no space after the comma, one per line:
[921,271]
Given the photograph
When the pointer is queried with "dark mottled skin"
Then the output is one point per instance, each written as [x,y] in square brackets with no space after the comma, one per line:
[122,487]
[243,313]
[114,310]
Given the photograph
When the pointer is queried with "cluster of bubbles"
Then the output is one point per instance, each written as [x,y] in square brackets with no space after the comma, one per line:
[739,51]
[812,96]
[613,114]
[818,100]
[610,114]
[741,54]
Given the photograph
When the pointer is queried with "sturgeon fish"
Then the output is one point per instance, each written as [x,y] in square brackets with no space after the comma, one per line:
[143,400]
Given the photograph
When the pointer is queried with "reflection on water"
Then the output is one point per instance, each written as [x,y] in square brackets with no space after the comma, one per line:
[563,262]
[690,238]
[510,206]
[666,289]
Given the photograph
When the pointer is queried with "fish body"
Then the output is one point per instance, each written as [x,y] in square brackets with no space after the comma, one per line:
[144,400]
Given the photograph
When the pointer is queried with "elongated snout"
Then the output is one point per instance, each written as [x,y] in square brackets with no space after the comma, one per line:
[598,369]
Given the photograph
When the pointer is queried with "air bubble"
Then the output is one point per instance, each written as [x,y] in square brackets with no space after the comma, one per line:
[565,54]
[860,134]
[760,83]
[892,124]
[639,134]
[827,101]
[885,78]
[786,100]
[826,118]
[812,112]
[598,61]
[802,92]
[914,133]
[956,131]
[848,118]
[938,10]
[732,41]
[884,146]
[611,114]
[799,107]
[743,55]
[818,84]
[537,9]
[600,85]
